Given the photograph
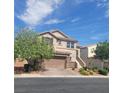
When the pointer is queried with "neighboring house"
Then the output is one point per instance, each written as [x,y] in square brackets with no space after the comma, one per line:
[88,51]
[65,49]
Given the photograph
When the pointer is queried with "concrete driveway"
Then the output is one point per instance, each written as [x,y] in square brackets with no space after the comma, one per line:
[51,72]
[60,72]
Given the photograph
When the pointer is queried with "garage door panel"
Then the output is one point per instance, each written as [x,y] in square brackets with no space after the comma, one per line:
[55,63]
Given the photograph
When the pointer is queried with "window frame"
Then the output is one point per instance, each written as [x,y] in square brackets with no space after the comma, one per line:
[70,44]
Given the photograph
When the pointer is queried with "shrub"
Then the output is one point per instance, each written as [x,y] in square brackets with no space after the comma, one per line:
[106,68]
[91,72]
[103,71]
[85,68]
[85,73]
[27,68]
[81,69]
[95,69]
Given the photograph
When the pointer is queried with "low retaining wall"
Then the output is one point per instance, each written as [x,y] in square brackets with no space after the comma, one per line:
[91,63]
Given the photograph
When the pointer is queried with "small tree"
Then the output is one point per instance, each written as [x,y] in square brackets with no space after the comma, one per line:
[28,46]
[102,50]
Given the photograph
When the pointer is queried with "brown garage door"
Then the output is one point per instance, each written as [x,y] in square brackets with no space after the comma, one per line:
[56,62]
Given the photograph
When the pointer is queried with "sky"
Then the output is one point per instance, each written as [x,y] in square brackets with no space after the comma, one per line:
[84,20]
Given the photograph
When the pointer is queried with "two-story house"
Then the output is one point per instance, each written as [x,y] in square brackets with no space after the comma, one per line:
[65,49]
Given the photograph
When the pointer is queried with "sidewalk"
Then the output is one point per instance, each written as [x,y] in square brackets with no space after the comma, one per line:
[57,76]
[57,73]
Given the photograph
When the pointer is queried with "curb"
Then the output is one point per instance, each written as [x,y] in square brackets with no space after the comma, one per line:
[61,76]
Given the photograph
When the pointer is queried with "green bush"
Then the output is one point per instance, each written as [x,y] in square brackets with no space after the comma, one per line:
[103,71]
[91,72]
[106,68]
[85,68]
[85,73]
[81,69]
[27,68]
[95,69]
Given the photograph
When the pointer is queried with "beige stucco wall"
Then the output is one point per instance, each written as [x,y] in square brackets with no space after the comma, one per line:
[87,51]
[63,45]
[71,51]
[73,54]
[90,48]
[57,34]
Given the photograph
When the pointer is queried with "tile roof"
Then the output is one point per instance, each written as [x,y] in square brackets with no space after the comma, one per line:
[67,38]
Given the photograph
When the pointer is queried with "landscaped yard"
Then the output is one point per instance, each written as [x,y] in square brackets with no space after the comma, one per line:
[94,71]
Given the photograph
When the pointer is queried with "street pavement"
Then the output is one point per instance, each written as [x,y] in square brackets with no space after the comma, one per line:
[61,85]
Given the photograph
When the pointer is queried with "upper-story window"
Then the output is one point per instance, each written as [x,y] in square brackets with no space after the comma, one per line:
[70,44]
[59,42]
[48,40]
